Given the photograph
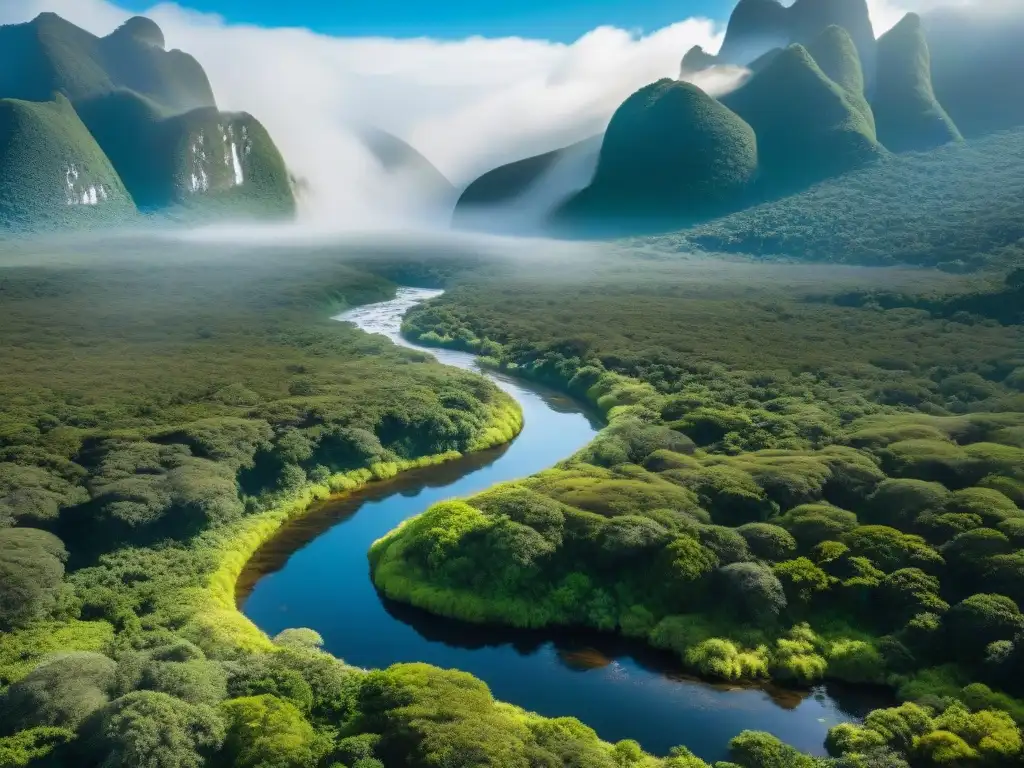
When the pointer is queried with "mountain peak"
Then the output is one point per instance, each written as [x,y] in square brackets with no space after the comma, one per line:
[910,117]
[757,26]
[144,30]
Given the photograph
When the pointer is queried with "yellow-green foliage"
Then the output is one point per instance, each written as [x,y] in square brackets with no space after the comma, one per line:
[720,658]
[21,651]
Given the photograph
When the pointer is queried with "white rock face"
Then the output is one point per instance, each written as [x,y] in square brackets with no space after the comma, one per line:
[233,147]
[78,192]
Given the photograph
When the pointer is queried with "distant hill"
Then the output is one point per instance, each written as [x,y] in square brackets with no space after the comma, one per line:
[49,55]
[533,177]
[400,158]
[977,61]
[808,127]
[670,151]
[758,26]
[53,172]
[137,125]
[910,117]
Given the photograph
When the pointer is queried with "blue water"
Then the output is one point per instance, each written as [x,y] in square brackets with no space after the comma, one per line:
[316,575]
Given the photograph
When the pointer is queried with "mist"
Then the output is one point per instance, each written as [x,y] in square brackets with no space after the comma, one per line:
[467,106]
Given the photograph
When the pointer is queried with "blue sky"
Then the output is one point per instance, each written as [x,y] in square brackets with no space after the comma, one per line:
[562,20]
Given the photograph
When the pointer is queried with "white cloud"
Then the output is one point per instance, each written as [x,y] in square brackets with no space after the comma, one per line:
[467,105]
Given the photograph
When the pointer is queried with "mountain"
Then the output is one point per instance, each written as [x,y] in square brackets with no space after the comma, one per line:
[808,127]
[670,151]
[758,26]
[910,117]
[836,54]
[542,181]
[977,61]
[49,55]
[196,158]
[755,27]
[399,158]
[697,60]
[133,127]
[53,172]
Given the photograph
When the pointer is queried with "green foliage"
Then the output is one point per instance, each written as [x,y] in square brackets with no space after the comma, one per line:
[28,747]
[980,620]
[54,174]
[31,570]
[264,731]
[155,730]
[909,115]
[61,692]
[754,749]
[952,207]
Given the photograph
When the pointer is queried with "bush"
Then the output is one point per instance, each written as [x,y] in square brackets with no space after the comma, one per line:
[31,571]
[61,692]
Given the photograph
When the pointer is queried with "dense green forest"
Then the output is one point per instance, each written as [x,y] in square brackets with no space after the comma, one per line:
[163,413]
[792,486]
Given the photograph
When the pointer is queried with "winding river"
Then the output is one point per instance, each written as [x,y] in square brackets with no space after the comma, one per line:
[315,574]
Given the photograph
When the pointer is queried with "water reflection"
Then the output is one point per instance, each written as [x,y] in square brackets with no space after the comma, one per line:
[315,574]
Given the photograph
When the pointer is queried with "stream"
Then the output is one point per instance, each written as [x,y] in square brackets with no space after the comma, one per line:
[315,574]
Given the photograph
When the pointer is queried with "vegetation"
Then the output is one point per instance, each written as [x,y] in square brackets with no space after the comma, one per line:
[957,208]
[910,117]
[53,172]
[765,515]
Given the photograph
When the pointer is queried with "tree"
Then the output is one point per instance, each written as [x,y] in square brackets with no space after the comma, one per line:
[891,549]
[754,749]
[31,572]
[146,729]
[268,732]
[752,591]
[908,592]
[768,542]
[980,620]
[62,691]
[802,580]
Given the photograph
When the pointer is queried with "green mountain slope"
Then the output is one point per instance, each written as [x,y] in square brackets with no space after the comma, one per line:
[507,182]
[809,18]
[808,128]
[670,150]
[959,207]
[52,173]
[50,55]
[909,115]
[224,162]
[835,52]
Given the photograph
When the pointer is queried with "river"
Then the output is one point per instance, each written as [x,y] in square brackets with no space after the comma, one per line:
[315,574]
